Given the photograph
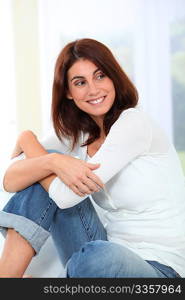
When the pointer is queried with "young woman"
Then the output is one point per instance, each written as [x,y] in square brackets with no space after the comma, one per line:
[104,148]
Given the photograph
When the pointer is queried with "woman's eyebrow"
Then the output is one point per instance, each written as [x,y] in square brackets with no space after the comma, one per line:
[77,77]
[82,77]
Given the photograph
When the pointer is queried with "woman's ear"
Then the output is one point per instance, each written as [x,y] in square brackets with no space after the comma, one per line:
[68,94]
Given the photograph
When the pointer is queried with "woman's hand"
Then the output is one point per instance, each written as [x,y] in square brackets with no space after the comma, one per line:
[76,174]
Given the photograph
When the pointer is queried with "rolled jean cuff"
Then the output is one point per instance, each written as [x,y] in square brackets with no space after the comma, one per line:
[30,231]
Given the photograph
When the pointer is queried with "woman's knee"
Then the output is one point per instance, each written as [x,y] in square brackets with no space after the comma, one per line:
[95,259]
[32,196]
[30,202]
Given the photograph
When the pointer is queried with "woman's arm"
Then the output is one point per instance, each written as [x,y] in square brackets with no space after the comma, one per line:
[24,173]
[129,137]
[34,168]
[43,167]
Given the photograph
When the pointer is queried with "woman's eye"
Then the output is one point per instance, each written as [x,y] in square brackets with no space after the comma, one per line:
[80,83]
[100,76]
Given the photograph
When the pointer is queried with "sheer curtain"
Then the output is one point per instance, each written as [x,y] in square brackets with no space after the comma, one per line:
[152,60]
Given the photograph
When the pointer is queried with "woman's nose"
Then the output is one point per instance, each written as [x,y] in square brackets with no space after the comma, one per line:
[93,89]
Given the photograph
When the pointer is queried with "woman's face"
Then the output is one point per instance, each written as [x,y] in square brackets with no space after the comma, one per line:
[91,90]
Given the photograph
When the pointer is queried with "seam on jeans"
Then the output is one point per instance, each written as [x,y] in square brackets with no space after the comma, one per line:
[84,223]
[44,214]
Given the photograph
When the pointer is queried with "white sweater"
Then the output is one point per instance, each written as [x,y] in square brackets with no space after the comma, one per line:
[144,196]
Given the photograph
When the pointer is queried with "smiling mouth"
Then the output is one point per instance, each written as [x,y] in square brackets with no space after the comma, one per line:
[97,101]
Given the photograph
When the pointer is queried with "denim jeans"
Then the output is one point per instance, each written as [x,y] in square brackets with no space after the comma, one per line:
[78,235]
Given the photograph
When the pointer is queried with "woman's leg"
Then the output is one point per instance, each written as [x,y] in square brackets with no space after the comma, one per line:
[73,227]
[16,255]
[78,234]
[107,259]
[25,222]
[35,216]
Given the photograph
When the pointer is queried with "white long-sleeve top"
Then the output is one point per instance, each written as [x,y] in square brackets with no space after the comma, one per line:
[144,195]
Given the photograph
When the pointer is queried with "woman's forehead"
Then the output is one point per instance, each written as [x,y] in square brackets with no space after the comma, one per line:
[82,67]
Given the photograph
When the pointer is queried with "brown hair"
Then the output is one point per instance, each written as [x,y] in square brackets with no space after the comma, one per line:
[68,119]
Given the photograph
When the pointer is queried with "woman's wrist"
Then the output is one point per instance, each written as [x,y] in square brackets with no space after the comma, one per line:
[51,161]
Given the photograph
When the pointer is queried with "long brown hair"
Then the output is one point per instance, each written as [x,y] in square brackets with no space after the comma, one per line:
[68,120]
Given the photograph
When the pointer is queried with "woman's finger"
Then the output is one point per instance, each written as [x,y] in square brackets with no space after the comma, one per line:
[94,178]
[92,186]
[83,188]
[77,191]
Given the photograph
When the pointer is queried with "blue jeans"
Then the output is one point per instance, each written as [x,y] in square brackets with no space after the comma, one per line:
[78,235]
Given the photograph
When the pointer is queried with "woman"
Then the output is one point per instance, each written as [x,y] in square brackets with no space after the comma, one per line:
[106,147]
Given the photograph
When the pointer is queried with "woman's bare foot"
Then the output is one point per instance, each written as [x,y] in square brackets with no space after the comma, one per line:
[27,276]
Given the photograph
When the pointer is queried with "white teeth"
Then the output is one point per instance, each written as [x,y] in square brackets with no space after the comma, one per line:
[97,100]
